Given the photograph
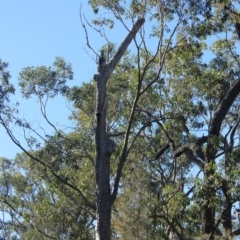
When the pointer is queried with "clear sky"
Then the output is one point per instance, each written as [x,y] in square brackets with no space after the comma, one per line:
[34,32]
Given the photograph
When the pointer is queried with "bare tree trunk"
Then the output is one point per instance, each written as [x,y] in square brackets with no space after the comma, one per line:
[208,210]
[104,145]
[104,148]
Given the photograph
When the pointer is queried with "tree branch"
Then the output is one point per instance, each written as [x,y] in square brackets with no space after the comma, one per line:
[131,35]
[194,147]
[194,160]
[160,152]
[169,223]
[16,142]
[223,108]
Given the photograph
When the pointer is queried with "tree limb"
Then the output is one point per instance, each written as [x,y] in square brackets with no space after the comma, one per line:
[59,178]
[194,160]
[131,35]
[223,108]
[160,152]
[194,147]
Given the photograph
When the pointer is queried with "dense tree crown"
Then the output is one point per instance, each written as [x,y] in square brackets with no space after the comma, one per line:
[155,149]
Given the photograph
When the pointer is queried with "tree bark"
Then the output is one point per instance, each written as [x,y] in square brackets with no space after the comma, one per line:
[208,224]
[227,219]
[104,145]
[102,167]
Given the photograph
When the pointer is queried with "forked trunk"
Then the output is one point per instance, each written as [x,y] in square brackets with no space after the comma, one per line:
[104,145]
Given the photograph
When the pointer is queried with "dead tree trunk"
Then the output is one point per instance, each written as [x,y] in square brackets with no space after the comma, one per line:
[104,145]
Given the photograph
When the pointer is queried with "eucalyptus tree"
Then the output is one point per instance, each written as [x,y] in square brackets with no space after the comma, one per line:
[162,110]
[199,94]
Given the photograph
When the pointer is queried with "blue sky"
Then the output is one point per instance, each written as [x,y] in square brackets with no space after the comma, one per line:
[35,32]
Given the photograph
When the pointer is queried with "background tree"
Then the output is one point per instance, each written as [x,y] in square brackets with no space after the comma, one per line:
[163,137]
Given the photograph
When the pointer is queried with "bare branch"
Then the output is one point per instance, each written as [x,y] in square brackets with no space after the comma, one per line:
[195,148]
[131,35]
[171,141]
[112,64]
[231,145]
[160,152]
[195,160]
[161,59]
[85,29]
[223,108]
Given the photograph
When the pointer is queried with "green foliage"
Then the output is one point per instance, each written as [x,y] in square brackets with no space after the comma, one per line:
[162,98]
[5,87]
[45,81]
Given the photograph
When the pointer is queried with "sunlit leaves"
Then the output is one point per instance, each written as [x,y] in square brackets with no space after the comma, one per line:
[161,96]
[6,87]
[45,81]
